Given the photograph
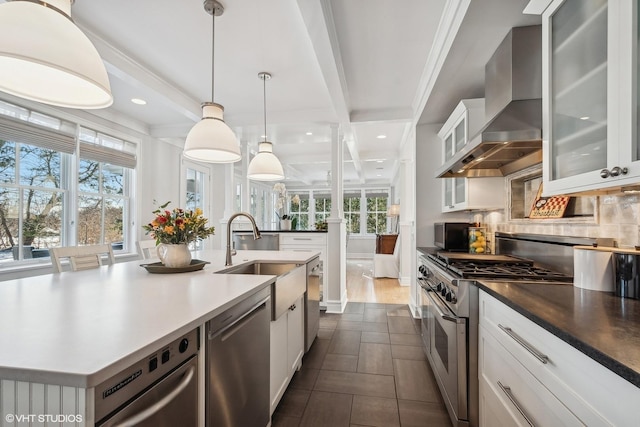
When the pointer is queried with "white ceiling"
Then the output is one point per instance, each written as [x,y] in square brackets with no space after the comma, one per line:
[365,65]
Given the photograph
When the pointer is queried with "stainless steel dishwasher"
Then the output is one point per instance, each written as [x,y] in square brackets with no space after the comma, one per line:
[237,359]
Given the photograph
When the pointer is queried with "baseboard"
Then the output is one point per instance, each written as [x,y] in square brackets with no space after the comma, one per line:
[405,280]
[359,255]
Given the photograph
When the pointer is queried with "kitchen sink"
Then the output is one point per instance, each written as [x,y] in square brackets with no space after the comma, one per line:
[291,282]
[265,268]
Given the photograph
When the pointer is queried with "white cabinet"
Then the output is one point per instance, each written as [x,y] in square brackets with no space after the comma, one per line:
[464,121]
[286,349]
[312,242]
[550,381]
[590,95]
[473,193]
[462,193]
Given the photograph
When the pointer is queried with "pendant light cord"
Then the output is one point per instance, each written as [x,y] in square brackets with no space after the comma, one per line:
[264,92]
[213,50]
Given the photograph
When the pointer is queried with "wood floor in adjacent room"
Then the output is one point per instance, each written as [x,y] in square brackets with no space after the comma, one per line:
[367,366]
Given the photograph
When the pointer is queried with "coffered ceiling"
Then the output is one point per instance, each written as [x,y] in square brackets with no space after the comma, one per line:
[367,66]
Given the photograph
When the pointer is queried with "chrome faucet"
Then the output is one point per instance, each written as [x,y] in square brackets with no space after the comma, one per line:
[256,233]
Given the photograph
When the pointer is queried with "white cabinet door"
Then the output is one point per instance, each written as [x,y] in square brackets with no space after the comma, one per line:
[510,395]
[279,378]
[589,103]
[473,193]
[295,335]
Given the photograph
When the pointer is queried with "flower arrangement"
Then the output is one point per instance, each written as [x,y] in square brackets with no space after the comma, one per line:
[281,202]
[178,226]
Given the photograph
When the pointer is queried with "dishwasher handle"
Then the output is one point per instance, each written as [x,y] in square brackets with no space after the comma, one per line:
[262,304]
[157,407]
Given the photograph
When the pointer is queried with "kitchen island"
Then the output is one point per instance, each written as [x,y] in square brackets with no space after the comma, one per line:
[76,329]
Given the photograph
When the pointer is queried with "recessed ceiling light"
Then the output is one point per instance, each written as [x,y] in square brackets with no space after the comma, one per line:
[379,161]
[263,136]
[381,136]
[138,101]
[585,118]
[309,133]
[378,175]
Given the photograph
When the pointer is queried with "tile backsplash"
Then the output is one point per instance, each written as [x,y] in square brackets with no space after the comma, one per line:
[617,217]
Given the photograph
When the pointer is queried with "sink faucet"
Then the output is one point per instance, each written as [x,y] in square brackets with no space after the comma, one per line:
[256,232]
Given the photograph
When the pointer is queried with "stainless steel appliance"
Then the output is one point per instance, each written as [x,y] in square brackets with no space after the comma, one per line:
[626,272]
[312,302]
[159,390]
[450,306]
[451,236]
[237,361]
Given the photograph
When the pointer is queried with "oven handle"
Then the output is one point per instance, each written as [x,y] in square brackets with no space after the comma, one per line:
[512,398]
[156,407]
[436,304]
[531,349]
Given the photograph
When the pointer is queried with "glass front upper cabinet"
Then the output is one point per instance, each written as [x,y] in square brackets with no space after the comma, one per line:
[590,95]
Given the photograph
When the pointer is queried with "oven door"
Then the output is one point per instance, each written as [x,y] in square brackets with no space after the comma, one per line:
[426,319]
[448,355]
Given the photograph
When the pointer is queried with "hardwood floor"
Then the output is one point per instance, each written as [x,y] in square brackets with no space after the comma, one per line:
[366,367]
[362,287]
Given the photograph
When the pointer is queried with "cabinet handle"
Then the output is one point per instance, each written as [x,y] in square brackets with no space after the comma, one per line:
[616,171]
[512,398]
[293,307]
[531,349]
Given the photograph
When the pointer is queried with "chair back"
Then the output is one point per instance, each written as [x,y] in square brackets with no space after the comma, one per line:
[146,248]
[82,257]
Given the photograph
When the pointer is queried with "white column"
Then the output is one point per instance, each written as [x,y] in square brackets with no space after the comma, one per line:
[229,202]
[335,296]
[407,221]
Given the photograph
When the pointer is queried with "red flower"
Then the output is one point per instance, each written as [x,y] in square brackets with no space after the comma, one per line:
[162,220]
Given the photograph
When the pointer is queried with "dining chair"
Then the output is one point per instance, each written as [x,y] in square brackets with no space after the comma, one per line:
[146,248]
[82,257]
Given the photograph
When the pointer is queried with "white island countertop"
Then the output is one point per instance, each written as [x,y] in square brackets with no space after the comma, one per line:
[79,328]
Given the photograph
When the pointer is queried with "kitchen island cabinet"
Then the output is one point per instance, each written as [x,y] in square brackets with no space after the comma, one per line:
[71,331]
[557,355]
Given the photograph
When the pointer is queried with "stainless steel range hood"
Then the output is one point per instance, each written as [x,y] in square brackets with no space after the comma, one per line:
[512,138]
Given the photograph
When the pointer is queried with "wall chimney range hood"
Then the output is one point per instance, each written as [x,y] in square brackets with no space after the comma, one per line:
[512,138]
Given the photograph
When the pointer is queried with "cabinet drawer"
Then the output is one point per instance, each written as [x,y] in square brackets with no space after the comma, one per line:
[588,389]
[306,239]
[510,395]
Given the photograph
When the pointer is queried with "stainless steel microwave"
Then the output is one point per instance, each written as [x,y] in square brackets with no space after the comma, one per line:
[452,236]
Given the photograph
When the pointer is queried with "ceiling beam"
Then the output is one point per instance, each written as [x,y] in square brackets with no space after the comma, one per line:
[387,115]
[318,19]
[122,66]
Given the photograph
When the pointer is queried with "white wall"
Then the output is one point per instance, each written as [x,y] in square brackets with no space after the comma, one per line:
[429,188]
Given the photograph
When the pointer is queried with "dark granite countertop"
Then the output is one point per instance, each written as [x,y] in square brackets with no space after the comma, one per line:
[281,231]
[599,324]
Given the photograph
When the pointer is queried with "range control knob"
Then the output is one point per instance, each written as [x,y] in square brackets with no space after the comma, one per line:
[443,292]
[440,286]
[454,300]
[184,344]
[449,296]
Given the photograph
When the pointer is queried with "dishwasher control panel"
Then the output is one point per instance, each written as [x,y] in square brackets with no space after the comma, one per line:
[128,383]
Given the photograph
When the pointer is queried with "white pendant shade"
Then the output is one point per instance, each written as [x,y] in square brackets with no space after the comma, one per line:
[45,57]
[211,140]
[265,166]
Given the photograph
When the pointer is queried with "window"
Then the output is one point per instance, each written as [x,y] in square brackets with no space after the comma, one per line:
[104,180]
[300,211]
[45,201]
[351,207]
[195,191]
[323,206]
[31,200]
[376,211]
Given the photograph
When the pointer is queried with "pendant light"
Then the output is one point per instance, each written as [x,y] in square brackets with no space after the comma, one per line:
[45,57]
[211,140]
[265,166]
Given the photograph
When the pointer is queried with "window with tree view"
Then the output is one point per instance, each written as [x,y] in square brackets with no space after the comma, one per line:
[44,202]
[299,210]
[351,207]
[376,212]
[31,200]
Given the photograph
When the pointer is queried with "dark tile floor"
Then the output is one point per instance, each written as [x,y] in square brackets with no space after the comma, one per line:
[366,368]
